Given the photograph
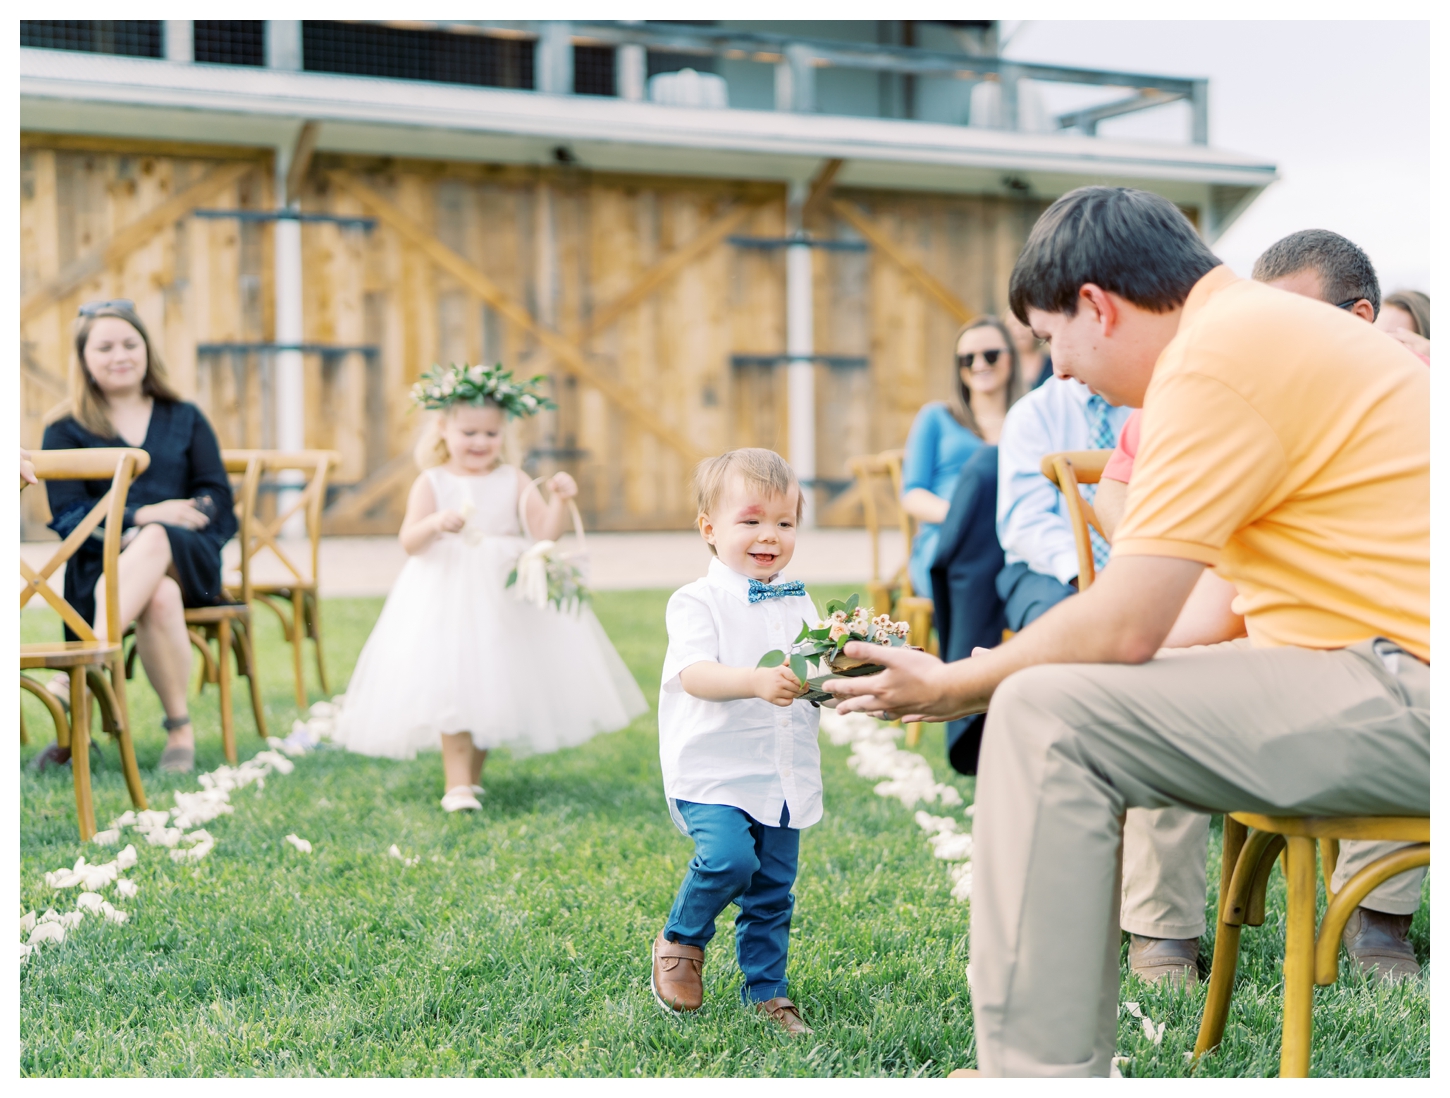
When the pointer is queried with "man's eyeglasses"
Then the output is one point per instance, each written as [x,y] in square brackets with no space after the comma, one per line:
[964,362]
[91,308]
[1350,304]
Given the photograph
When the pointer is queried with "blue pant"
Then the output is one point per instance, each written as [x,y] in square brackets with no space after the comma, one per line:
[1028,595]
[739,859]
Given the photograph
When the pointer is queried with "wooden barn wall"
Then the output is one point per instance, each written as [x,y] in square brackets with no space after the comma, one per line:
[562,243]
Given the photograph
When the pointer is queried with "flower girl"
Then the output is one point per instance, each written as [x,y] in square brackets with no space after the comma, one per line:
[455,659]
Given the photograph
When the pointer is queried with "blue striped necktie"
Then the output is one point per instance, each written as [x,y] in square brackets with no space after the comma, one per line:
[1101,436]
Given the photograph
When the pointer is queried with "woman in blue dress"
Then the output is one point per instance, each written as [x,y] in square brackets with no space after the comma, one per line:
[946,434]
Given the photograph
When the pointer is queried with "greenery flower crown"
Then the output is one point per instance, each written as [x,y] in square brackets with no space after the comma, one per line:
[442,387]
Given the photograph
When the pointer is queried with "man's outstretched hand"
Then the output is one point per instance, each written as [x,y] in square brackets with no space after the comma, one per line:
[914,686]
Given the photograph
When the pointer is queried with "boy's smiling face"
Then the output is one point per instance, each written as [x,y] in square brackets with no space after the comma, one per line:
[753,532]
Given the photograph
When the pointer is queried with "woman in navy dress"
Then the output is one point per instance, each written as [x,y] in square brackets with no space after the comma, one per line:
[178,513]
[946,434]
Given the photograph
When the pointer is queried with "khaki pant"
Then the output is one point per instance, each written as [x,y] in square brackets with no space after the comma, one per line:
[1069,748]
[1165,872]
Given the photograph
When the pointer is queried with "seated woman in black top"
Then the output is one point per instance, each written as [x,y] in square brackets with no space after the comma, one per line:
[178,513]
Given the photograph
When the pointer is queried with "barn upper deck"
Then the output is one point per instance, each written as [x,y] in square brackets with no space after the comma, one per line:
[945,115]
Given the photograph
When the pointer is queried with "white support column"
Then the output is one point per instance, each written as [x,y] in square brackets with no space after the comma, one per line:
[177,36]
[800,353]
[554,59]
[287,309]
[284,44]
[629,73]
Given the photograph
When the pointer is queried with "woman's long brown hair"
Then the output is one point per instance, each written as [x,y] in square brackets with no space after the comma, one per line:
[961,401]
[87,404]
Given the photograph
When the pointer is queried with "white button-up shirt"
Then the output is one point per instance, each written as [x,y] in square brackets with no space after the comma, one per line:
[1032,522]
[748,754]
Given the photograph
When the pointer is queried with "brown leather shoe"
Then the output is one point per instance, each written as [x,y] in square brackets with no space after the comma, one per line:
[1378,943]
[1174,960]
[676,975]
[786,1013]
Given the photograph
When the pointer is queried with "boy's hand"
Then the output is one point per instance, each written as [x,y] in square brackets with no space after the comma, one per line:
[449,522]
[777,685]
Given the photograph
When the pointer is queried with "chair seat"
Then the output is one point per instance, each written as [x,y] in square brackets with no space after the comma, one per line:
[1406,829]
[61,654]
[227,611]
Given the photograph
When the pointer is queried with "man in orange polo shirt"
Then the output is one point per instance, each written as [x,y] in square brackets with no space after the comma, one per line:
[1286,444]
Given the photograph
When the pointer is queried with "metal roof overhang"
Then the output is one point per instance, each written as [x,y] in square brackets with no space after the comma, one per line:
[140,98]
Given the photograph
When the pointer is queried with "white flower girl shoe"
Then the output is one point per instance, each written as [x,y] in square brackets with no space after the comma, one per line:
[460,798]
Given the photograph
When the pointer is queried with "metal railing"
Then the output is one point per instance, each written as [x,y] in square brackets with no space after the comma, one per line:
[797,61]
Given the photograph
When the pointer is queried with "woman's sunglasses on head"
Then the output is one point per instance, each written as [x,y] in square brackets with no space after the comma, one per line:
[91,308]
[964,362]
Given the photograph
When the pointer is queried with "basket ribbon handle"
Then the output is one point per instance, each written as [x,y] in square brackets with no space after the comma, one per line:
[524,518]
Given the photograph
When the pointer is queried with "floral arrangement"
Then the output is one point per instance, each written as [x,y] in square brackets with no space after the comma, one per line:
[442,387]
[545,575]
[821,649]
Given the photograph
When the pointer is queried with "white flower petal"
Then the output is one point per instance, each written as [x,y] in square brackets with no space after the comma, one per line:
[27,922]
[90,901]
[126,889]
[109,837]
[47,932]
[127,858]
[302,845]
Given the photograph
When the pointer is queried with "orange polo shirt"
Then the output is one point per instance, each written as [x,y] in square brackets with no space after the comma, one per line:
[1287,444]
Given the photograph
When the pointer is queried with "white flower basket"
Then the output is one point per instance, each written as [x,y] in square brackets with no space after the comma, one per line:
[546,572]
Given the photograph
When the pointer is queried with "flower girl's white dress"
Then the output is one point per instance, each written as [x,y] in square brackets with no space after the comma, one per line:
[456,651]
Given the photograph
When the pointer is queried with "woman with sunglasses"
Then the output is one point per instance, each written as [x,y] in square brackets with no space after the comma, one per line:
[178,513]
[946,434]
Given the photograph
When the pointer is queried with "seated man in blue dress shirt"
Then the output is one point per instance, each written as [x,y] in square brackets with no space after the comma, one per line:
[1032,522]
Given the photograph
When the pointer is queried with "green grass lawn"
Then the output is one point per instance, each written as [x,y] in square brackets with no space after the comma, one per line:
[519,944]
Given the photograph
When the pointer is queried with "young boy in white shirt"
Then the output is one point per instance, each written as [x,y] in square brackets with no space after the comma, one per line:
[738,747]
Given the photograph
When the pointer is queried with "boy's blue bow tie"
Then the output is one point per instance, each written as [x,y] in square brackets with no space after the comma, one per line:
[759,591]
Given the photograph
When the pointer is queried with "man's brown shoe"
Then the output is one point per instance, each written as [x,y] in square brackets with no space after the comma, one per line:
[1378,943]
[1173,960]
[675,976]
[782,1010]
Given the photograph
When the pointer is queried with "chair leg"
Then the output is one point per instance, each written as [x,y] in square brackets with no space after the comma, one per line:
[298,632]
[1328,859]
[224,688]
[80,755]
[1299,961]
[1225,946]
[242,638]
[913,735]
[314,624]
[52,706]
[113,717]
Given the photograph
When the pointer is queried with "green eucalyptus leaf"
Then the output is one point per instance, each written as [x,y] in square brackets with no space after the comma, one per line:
[803,634]
[774,658]
[833,605]
[851,604]
[798,666]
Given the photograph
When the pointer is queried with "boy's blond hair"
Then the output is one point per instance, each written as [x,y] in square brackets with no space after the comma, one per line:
[757,467]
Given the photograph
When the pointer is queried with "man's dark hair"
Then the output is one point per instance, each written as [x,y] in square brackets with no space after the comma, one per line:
[1135,244]
[1345,272]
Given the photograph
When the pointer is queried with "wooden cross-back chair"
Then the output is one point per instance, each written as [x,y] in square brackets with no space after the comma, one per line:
[229,624]
[894,596]
[1251,845]
[94,663]
[281,577]
[1070,470]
